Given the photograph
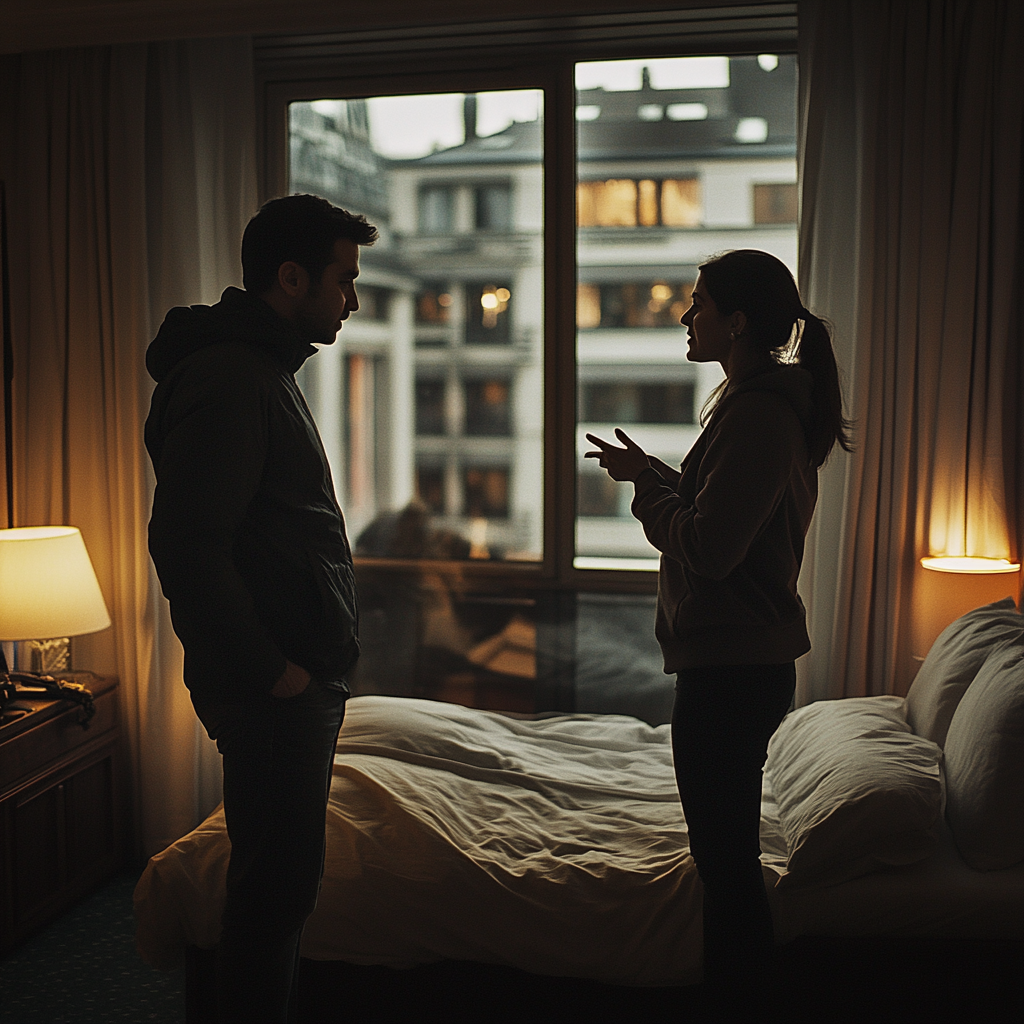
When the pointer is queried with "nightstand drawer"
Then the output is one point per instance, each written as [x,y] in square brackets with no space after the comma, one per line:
[58,732]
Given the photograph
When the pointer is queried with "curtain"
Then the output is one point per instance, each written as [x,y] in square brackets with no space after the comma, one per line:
[131,172]
[910,241]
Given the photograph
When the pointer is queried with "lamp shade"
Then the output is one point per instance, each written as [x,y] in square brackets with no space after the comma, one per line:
[47,585]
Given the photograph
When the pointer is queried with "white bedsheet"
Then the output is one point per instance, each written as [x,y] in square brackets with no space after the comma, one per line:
[554,845]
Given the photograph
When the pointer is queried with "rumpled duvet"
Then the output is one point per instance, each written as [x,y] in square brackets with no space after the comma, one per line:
[556,845]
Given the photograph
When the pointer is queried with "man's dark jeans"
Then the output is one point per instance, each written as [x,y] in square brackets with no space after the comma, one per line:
[723,718]
[277,757]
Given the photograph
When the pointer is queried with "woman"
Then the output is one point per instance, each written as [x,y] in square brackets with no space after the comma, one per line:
[731,527]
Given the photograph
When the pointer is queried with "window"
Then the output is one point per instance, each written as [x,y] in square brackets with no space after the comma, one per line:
[433,303]
[430,488]
[430,402]
[454,384]
[636,304]
[625,202]
[488,408]
[437,210]
[775,203]
[373,302]
[452,417]
[487,314]
[493,207]
[485,491]
[637,403]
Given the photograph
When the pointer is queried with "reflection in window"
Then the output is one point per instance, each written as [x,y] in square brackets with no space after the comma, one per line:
[433,304]
[633,304]
[775,203]
[437,209]
[488,409]
[635,402]
[430,417]
[485,492]
[493,207]
[487,314]
[625,202]
[430,488]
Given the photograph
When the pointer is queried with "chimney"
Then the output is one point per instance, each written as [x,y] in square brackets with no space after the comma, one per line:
[469,115]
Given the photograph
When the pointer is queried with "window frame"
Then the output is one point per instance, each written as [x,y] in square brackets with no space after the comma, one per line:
[538,54]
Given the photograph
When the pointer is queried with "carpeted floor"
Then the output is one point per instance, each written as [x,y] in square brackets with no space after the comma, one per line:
[83,969]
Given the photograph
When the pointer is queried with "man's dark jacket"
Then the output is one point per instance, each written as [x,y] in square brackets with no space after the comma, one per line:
[246,534]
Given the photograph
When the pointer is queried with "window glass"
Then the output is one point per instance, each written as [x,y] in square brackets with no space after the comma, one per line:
[696,155]
[493,207]
[488,412]
[437,207]
[415,400]
[488,313]
[430,403]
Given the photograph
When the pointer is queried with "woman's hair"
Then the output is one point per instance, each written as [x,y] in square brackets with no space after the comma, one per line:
[761,287]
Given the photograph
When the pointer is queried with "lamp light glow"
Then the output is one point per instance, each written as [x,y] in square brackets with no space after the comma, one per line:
[972,565]
[48,587]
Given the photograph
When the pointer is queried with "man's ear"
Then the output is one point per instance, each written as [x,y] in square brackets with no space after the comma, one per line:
[293,279]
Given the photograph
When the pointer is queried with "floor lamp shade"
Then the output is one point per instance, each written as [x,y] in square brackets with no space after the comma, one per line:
[48,587]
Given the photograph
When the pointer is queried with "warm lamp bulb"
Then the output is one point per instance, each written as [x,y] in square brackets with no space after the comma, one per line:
[949,563]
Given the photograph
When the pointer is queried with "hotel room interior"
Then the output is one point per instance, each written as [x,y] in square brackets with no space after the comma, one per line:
[137,137]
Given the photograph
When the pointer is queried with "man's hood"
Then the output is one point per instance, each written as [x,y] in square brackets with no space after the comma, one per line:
[238,317]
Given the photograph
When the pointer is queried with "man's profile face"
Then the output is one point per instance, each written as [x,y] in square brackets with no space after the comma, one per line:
[326,305]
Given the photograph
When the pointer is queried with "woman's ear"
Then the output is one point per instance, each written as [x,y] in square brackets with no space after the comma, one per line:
[737,324]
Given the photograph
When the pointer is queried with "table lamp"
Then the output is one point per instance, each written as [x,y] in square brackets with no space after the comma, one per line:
[950,586]
[48,593]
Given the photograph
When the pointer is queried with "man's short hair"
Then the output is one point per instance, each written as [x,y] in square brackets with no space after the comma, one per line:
[298,229]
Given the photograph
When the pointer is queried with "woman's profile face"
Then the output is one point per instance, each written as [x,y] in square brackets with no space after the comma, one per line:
[707,330]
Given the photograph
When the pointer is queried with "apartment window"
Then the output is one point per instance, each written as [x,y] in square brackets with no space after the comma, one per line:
[430,406]
[630,203]
[636,304]
[775,203]
[437,209]
[434,304]
[430,488]
[635,402]
[485,492]
[492,206]
[488,408]
[487,313]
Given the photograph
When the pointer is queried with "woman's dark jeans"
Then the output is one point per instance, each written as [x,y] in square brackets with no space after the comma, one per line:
[723,718]
[278,756]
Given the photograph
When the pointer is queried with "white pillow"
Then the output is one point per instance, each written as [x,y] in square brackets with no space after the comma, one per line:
[856,789]
[985,763]
[954,660]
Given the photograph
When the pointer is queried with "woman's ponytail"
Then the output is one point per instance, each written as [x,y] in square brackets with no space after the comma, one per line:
[814,353]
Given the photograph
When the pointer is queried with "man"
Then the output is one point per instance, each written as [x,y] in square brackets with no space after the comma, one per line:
[251,551]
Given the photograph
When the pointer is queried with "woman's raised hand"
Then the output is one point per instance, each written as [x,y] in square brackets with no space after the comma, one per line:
[620,463]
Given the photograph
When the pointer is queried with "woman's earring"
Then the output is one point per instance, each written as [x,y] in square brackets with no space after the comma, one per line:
[732,336]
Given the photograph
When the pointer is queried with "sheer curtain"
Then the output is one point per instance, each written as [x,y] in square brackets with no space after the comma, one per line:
[910,235]
[131,172]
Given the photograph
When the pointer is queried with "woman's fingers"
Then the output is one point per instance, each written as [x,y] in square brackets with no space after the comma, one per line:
[625,438]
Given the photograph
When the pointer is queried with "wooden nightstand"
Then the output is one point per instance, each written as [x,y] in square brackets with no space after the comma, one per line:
[61,807]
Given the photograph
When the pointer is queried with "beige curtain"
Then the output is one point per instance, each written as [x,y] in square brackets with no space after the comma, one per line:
[131,172]
[910,235]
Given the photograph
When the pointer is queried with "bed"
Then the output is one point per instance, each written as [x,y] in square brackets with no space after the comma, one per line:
[556,844]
